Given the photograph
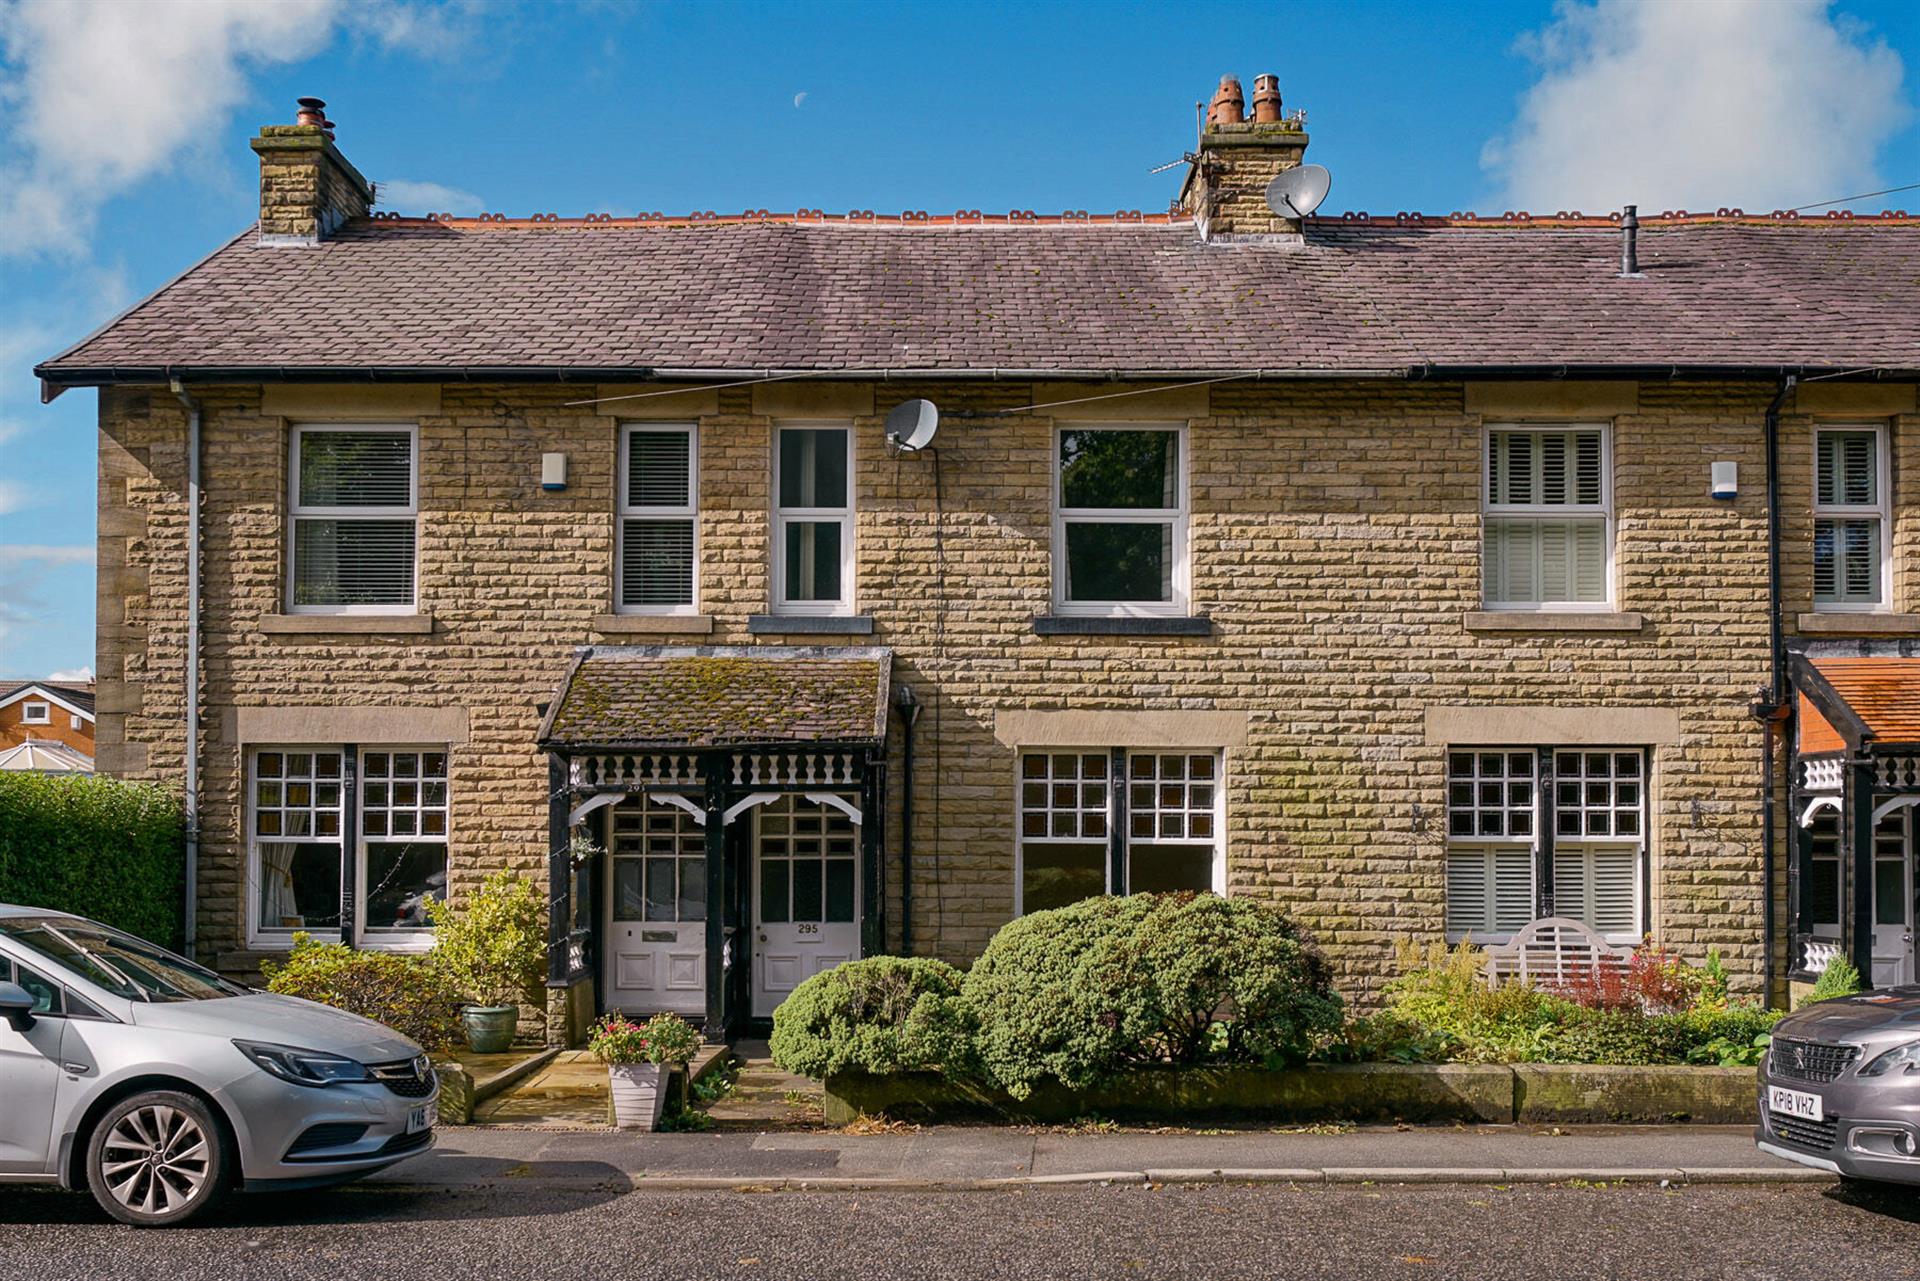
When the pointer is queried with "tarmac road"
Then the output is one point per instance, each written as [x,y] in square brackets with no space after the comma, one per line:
[543,1230]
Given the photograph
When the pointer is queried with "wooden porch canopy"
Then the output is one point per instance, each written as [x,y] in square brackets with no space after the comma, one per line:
[1857,756]
[714,731]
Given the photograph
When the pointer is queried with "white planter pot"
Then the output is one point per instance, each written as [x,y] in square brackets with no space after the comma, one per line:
[639,1094]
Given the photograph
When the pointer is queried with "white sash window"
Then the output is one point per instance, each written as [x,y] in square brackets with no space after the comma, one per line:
[657,570]
[354,517]
[1850,519]
[1548,519]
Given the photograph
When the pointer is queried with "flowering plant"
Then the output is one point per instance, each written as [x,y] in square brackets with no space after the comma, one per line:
[664,1038]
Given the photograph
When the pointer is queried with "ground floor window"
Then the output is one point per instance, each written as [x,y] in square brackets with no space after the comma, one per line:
[346,842]
[1117,820]
[1543,831]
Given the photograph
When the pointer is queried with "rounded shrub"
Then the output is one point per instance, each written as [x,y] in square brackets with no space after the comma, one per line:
[1080,992]
[881,1014]
[410,996]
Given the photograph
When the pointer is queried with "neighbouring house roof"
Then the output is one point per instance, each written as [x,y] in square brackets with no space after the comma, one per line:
[43,757]
[1880,696]
[698,697]
[76,698]
[437,297]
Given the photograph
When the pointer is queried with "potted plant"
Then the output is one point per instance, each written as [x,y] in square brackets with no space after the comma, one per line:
[495,952]
[640,1059]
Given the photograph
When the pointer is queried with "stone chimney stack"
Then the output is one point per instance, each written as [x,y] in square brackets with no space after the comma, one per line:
[307,188]
[1226,187]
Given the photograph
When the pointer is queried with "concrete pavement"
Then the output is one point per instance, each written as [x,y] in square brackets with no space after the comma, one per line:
[973,1157]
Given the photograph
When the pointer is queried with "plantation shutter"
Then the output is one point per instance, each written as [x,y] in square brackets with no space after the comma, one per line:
[1848,471]
[1599,887]
[1546,524]
[1512,888]
[354,519]
[657,520]
[1467,895]
[1848,532]
[1489,891]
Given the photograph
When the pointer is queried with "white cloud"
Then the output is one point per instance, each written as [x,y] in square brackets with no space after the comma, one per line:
[79,675]
[13,497]
[426,197]
[101,94]
[50,554]
[1696,105]
[799,99]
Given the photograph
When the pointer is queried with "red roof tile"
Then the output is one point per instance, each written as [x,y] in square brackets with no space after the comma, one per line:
[1883,692]
[1070,293]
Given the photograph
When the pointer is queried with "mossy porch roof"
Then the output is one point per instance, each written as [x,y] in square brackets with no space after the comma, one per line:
[698,697]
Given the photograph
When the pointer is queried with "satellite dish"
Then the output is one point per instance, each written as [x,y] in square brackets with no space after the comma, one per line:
[1297,192]
[911,425]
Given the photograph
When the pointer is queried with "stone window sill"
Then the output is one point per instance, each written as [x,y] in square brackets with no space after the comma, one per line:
[653,624]
[1857,624]
[1074,625]
[803,625]
[1525,620]
[346,624]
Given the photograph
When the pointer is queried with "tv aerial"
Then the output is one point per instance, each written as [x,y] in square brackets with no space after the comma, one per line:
[911,425]
[1297,192]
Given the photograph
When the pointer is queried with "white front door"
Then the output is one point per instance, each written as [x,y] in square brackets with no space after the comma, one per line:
[806,895]
[656,956]
[1893,900]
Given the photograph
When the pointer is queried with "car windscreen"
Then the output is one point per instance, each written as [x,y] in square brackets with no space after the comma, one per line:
[120,963]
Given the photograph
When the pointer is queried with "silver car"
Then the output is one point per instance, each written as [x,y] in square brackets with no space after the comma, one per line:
[159,1085]
[1840,1087]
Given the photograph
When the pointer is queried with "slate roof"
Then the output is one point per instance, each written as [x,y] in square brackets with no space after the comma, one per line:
[1883,692]
[414,298]
[80,695]
[716,696]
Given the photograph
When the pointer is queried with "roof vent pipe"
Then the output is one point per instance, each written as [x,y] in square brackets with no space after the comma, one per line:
[1630,243]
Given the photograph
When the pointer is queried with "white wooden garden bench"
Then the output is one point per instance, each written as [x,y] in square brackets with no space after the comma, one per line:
[1550,951]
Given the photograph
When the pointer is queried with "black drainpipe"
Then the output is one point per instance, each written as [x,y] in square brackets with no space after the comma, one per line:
[1772,710]
[905,703]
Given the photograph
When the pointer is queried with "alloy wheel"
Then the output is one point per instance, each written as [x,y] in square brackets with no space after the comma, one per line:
[156,1160]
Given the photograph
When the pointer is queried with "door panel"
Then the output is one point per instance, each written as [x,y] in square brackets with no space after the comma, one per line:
[656,910]
[30,1071]
[1893,957]
[806,896]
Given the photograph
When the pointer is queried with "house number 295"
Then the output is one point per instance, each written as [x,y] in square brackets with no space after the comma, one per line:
[807,927]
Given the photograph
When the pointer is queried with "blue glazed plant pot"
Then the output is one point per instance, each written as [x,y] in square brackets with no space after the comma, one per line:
[490,1028]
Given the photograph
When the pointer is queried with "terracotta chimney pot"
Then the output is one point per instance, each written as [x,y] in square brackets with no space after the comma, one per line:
[312,112]
[1266,100]
[1228,104]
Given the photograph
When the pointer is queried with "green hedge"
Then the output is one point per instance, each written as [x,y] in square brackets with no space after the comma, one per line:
[96,847]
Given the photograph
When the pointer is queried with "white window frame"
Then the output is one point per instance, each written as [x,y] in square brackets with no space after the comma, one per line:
[1881,511]
[296,513]
[783,516]
[36,713]
[353,842]
[1177,516]
[1486,846]
[1021,840]
[1490,510]
[384,938]
[623,512]
[1639,844]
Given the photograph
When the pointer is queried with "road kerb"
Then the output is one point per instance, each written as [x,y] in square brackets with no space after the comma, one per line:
[1229,1175]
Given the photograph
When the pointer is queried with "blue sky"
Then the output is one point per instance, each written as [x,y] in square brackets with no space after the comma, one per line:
[124,127]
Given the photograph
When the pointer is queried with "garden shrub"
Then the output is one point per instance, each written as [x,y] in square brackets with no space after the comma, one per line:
[881,1014]
[1839,978]
[1080,992]
[96,847]
[494,950]
[407,994]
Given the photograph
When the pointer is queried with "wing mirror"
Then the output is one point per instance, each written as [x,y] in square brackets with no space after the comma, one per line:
[16,1006]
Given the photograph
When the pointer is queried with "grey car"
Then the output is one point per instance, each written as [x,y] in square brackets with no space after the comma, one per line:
[160,1086]
[1840,1087]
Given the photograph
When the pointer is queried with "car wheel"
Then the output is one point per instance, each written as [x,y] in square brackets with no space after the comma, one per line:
[158,1158]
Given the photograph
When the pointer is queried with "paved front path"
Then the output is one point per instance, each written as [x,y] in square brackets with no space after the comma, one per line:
[1174,1232]
[970,1156]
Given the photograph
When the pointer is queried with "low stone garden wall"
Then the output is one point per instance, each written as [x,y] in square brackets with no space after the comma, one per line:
[1361,1093]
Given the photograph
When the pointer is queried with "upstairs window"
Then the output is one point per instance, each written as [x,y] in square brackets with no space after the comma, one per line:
[36,713]
[813,520]
[658,509]
[1548,519]
[1849,519]
[1120,522]
[355,514]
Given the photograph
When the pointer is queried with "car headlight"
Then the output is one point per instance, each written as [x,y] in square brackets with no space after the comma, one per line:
[303,1067]
[1905,1057]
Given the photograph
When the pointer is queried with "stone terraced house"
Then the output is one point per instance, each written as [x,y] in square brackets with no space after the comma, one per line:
[1424,575]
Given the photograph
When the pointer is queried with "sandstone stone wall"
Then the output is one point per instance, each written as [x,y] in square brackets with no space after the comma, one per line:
[1334,544]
